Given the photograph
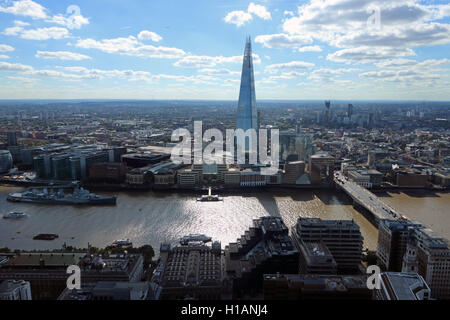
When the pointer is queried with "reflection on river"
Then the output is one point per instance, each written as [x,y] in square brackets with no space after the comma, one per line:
[148,217]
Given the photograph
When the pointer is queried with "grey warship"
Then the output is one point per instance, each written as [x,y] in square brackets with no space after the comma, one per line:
[79,196]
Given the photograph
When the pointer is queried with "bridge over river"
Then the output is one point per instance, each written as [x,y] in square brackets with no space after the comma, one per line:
[373,207]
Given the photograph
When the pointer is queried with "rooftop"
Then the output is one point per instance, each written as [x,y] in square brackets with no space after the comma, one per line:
[404,286]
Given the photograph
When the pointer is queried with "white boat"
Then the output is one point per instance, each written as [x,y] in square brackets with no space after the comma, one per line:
[209,197]
[14,215]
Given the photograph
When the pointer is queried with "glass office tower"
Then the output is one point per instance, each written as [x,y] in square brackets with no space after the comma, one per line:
[247,116]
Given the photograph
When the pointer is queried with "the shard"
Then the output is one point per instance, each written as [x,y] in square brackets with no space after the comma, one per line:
[247,116]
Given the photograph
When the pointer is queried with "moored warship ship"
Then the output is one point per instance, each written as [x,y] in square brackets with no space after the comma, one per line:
[79,196]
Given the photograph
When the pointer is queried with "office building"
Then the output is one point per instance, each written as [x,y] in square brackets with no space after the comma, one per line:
[321,169]
[6,161]
[252,177]
[191,271]
[292,171]
[139,160]
[188,178]
[108,172]
[342,238]
[12,138]
[393,238]
[266,247]
[165,177]
[232,178]
[72,164]
[296,144]
[376,156]
[360,179]
[350,110]
[433,255]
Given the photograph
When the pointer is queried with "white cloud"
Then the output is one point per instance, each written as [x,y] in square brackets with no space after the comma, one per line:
[346,24]
[14,67]
[399,37]
[288,13]
[130,46]
[19,23]
[327,75]
[282,40]
[26,8]
[288,66]
[221,71]
[259,11]
[45,33]
[396,63]
[35,34]
[149,35]
[239,18]
[310,49]
[6,48]
[208,61]
[283,76]
[401,63]
[12,31]
[23,80]
[4,56]
[407,72]
[365,54]
[61,55]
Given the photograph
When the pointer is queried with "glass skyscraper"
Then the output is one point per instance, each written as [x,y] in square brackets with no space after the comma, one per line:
[247,116]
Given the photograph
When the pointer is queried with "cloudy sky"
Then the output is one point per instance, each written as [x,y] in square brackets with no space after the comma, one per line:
[177,49]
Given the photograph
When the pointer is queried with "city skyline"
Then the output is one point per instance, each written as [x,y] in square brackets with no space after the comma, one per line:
[303,50]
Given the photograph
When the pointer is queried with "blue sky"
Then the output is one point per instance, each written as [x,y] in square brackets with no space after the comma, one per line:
[313,49]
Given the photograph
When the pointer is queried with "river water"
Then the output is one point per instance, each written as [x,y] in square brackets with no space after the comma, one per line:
[151,218]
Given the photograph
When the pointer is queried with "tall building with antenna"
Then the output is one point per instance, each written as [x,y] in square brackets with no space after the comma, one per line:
[247,115]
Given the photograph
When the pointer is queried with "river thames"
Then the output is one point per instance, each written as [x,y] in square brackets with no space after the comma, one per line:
[152,218]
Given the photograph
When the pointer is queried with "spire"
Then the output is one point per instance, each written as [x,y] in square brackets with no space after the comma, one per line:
[248,48]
